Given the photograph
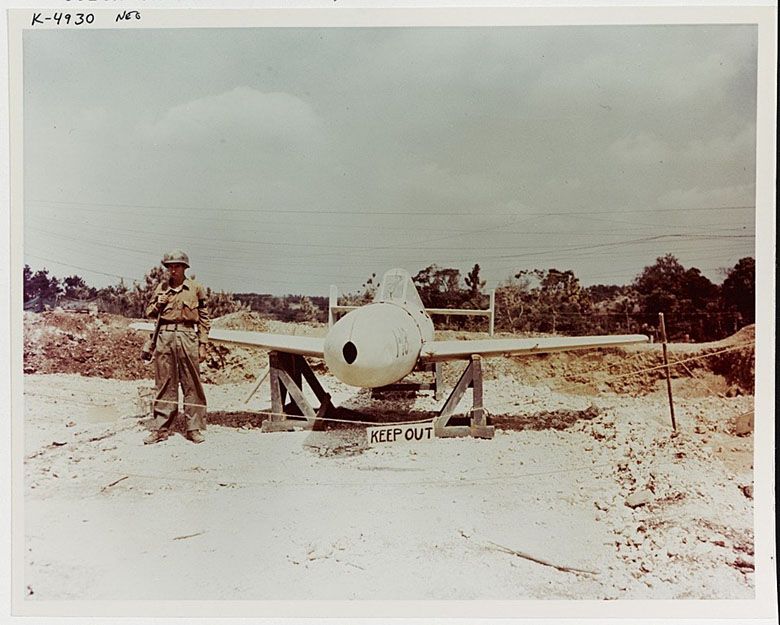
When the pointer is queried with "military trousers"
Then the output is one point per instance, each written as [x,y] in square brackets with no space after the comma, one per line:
[176,363]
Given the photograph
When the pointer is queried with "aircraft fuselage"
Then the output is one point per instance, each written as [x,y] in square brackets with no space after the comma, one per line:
[377,344]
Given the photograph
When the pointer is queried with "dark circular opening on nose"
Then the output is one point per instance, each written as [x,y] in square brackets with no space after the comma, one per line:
[350,352]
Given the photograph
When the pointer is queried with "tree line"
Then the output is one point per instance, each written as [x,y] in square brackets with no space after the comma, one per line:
[554,301]
[42,290]
[535,300]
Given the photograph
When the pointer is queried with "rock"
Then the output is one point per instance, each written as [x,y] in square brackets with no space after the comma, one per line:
[743,425]
[639,498]
[733,391]
[743,565]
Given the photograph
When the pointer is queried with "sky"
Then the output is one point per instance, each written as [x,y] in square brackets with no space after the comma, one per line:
[283,160]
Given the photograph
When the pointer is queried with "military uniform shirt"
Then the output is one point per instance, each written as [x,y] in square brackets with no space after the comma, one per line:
[187,304]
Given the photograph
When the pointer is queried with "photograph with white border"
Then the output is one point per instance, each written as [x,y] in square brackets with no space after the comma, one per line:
[558,222]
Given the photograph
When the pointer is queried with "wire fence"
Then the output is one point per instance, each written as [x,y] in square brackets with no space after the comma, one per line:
[146,401]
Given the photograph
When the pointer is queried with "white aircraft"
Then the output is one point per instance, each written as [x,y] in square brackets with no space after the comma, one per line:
[379,344]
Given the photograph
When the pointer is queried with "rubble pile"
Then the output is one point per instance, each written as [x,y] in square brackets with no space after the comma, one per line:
[664,481]
[96,346]
[105,346]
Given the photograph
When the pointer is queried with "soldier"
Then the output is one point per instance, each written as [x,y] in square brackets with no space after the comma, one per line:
[180,303]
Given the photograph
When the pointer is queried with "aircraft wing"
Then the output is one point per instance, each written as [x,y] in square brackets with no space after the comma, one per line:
[288,343]
[435,351]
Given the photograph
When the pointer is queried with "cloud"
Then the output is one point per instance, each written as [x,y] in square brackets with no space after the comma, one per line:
[272,122]
[725,149]
[696,197]
[642,148]
[692,78]
[641,72]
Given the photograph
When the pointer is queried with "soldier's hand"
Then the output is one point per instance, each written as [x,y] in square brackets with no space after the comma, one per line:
[202,352]
[147,351]
[162,300]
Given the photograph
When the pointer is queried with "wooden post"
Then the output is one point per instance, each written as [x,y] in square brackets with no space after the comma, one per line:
[277,400]
[477,410]
[478,426]
[662,329]
[492,324]
[333,300]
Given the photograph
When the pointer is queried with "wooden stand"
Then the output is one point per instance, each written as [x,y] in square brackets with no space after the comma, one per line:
[287,373]
[478,427]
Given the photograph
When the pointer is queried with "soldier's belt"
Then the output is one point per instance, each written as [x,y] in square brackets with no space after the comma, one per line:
[173,326]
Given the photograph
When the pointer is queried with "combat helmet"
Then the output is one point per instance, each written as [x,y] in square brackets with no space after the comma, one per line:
[176,256]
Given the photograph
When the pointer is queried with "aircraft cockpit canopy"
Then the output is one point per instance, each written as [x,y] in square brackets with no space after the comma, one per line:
[397,286]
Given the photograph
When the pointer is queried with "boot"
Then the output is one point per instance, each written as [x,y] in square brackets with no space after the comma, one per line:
[157,436]
[195,436]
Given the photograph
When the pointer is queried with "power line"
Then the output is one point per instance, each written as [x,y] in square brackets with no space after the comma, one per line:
[102,273]
[276,242]
[315,285]
[309,284]
[454,232]
[287,263]
[364,213]
[373,249]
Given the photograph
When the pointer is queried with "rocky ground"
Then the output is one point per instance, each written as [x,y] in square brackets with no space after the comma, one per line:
[585,492]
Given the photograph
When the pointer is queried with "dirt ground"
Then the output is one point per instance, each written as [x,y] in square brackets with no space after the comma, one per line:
[584,492]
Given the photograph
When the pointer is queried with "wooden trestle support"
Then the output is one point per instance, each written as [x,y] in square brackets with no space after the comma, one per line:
[288,371]
[478,427]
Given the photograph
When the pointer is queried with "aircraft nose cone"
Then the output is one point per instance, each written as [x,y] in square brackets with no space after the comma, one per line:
[373,346]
